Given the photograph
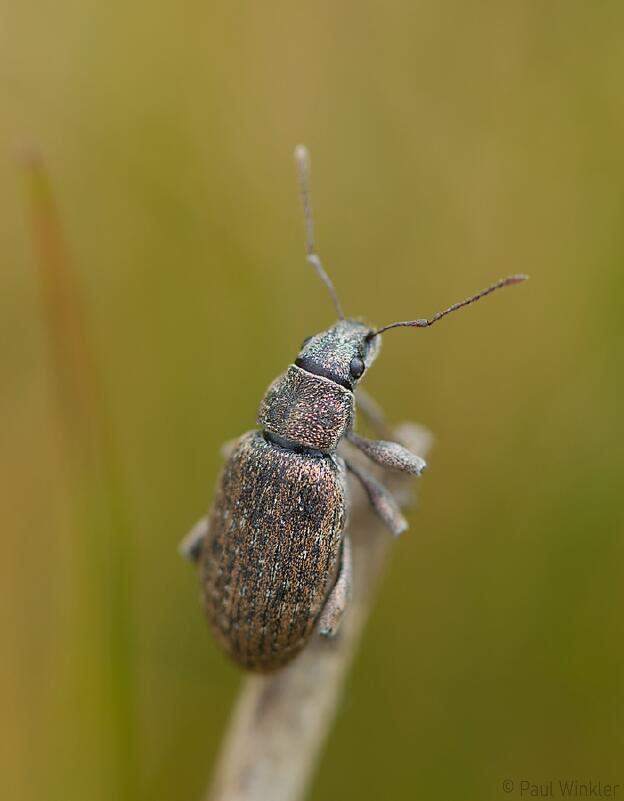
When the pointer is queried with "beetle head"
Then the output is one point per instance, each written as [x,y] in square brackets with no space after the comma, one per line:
[342,353]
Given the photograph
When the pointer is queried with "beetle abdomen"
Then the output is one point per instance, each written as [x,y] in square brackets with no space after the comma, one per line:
[273,550]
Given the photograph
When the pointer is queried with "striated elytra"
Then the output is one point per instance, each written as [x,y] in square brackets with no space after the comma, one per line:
[274,551]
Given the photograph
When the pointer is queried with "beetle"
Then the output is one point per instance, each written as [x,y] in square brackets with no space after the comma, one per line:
[274,553]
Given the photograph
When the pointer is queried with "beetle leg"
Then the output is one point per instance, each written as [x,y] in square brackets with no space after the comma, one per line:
[388,454]
[372,412]
[191,545]
[381,500]
[227,448]
[338,600]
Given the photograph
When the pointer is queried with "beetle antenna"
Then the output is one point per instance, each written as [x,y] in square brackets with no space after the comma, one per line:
[511,279]
[302,157]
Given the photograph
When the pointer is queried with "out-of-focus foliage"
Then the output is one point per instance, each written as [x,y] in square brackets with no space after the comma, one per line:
[452,143]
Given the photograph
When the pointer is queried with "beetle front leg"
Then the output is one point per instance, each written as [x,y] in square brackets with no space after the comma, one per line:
[388,454]
[191,545]
[372,411]
[381,500]
[338,600]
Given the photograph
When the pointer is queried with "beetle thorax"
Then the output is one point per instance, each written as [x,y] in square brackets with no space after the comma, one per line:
[306,410]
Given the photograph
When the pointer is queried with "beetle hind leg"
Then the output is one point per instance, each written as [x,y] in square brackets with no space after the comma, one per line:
[191,545]
[338,599]
[381,500]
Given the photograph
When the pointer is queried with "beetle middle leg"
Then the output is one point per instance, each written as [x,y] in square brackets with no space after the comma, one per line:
[338,599]
[191,545]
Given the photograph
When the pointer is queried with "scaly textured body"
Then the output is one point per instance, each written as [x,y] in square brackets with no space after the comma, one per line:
[275,557]
[273,550]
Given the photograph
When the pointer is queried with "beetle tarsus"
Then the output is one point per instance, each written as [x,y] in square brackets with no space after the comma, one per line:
[388,454]
[191,545]
[227,448]
[338,600]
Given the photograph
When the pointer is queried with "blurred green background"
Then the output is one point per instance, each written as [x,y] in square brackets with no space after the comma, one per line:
[452,143]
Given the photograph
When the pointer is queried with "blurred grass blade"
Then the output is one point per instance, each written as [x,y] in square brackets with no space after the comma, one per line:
[104,605]
[74,368]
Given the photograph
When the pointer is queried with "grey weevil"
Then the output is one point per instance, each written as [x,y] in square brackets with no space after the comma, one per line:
[274,554]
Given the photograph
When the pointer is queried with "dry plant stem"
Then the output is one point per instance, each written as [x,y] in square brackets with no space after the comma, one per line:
[281,720]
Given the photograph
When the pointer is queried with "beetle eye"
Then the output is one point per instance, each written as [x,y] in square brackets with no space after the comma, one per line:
[356,368]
